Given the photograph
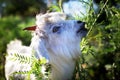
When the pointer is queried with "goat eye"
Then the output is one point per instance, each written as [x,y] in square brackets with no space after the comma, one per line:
[55,29]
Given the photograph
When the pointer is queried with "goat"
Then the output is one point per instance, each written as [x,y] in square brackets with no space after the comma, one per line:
[58,40]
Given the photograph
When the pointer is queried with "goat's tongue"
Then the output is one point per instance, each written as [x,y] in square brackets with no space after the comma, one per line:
[32,28]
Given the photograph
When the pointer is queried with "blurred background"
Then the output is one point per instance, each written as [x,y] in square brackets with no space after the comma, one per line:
[101,55]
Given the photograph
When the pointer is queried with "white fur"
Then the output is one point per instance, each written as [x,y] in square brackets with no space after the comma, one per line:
[16,47]
[61,48]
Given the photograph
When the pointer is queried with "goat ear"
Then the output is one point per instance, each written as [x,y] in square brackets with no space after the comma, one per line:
[39,46]
[32,28]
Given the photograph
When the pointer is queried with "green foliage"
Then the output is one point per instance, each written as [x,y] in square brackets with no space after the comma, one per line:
[28,7]
[57,7]
[11,28]
[38,70]
[101,48]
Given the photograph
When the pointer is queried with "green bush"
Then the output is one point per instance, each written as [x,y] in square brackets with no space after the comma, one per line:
[101,48]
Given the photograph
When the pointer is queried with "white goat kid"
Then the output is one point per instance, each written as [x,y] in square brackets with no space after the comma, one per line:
[58,40]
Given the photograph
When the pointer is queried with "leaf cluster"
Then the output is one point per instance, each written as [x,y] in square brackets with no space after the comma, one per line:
[37,66]
[101,48]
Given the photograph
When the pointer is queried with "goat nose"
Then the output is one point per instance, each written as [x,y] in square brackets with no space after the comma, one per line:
[79,22]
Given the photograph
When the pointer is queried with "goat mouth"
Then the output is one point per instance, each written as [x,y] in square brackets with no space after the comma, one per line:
[82,28]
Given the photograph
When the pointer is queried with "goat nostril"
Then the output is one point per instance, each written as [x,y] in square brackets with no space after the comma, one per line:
[79,21]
